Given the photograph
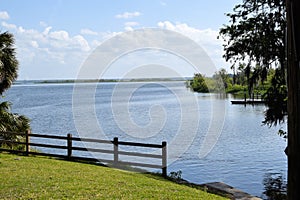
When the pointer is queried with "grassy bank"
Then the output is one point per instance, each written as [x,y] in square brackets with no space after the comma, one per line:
[43,178]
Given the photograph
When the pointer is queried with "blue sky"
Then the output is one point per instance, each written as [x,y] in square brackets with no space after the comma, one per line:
[54,38]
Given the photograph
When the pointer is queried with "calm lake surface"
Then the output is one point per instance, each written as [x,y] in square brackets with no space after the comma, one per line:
[244,152]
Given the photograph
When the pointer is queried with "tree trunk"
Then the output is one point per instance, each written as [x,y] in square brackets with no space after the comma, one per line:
[293,72]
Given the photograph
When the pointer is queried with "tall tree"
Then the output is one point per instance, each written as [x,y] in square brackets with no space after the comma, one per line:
[293,52]
[8,73]
[256,36]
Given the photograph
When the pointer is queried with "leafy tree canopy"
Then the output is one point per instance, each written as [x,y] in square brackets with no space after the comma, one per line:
[198,83]
[11,122]
[256,33]
[8,61]
[256,36]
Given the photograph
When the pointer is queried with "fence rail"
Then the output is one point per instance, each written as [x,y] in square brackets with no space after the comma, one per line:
[70,148]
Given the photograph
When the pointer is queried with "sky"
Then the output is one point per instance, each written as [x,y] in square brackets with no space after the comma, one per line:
[54,38]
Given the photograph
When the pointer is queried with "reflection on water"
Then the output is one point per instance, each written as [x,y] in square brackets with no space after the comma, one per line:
[275,187]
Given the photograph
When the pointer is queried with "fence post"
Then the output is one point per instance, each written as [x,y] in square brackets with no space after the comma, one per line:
[69,145]
[164,159]
[116,151]
[27,147]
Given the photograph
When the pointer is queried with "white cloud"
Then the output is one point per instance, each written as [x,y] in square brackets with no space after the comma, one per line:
[4,15]
[88,32]
[131,24]
[127,15]
[48,51]
[43,24]
[107,35]
[47,30]
[22,30]
[204,36]
[128,28]
[81,41]
[59,35]
[207,38]
[34,44]
[8,26]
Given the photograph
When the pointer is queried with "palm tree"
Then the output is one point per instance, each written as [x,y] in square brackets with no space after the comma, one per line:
[9,122]
[8,61]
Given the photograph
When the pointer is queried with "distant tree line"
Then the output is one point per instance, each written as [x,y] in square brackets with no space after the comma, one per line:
[237,83]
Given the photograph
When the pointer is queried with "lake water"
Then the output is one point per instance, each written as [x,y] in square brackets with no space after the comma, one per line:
[241,150]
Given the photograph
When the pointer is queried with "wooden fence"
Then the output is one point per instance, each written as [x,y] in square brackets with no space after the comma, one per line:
[69,147]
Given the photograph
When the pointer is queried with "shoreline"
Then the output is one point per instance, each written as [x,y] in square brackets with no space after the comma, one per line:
[219,188]
[60,81]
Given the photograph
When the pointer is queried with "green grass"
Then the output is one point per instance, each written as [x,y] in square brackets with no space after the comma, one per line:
[24,177]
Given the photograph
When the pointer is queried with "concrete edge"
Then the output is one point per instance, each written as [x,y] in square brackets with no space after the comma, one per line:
[233,193]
